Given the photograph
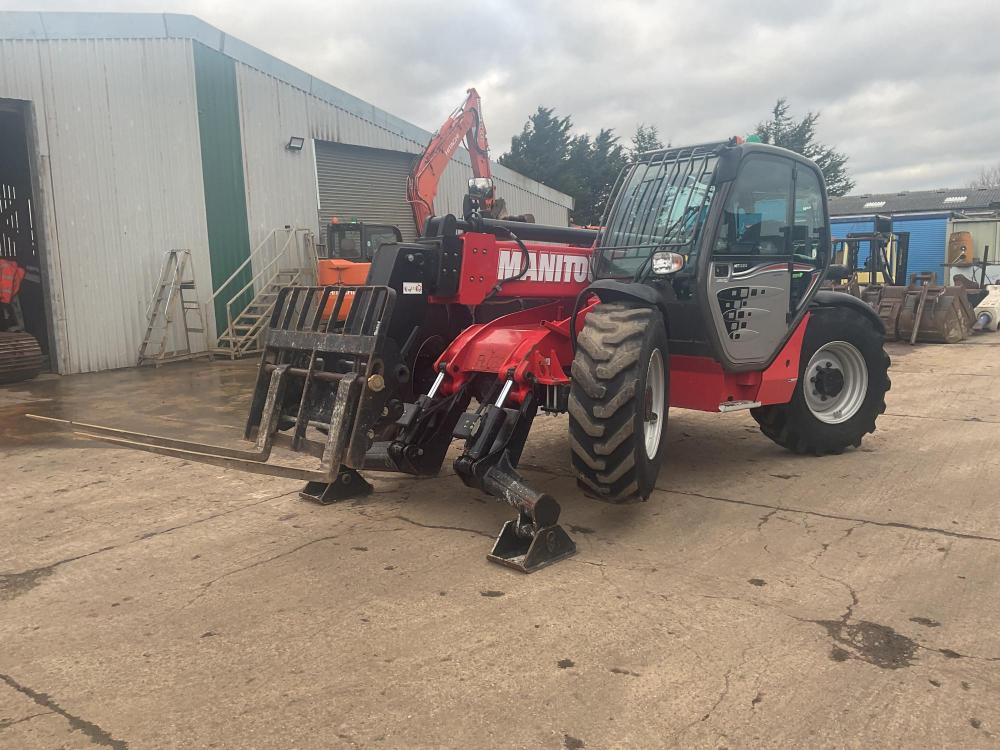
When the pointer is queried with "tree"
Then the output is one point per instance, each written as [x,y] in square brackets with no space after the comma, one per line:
[593,167]
[989,177]
[580,166]
[782,130]
[646,138]
[540,151]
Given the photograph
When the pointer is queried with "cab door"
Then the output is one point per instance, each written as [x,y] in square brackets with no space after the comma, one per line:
[748,278]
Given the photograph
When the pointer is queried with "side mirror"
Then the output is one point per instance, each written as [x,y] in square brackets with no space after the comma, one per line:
[481,187]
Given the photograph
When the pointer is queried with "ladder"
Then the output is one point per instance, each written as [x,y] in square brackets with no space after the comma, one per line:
[170,291]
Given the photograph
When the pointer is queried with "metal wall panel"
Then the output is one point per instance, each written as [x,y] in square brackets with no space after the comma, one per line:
[928,243]
[222,170]
[282,186]
[117,132]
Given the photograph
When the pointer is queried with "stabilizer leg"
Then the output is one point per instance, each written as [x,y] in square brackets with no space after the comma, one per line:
[348,485]
[495,437]
[522,548]
[534,539]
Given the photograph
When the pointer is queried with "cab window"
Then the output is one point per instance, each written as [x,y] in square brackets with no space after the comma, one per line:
[344,243]
[757,214]
[810,218]
[378,236]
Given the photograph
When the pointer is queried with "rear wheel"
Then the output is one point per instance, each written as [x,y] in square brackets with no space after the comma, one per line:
[843,379]
[619,400]
[20,357]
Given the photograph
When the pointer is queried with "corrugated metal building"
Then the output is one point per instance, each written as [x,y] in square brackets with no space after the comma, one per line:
[926,217]
[146,132]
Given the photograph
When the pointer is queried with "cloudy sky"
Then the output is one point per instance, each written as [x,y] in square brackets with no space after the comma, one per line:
[909,89]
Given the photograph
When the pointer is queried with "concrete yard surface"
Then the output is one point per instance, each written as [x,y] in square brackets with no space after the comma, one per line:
[758,599]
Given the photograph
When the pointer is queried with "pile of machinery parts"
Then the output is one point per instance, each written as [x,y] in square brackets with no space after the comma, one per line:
[691,295]
[923,311]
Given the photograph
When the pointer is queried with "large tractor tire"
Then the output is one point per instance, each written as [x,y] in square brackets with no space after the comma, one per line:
[20,357]
[843,379]
[618,403]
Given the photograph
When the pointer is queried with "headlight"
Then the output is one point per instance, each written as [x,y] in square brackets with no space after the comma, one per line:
[667,263]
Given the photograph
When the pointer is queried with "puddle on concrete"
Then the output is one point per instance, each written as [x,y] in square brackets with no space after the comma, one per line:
[870,642]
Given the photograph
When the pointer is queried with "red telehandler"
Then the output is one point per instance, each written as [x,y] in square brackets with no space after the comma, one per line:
[700,291]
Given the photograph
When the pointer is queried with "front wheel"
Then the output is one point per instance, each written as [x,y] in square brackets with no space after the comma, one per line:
[618,403]
[843,379]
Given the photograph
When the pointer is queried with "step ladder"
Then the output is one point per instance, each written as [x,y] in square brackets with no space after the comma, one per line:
[169,293]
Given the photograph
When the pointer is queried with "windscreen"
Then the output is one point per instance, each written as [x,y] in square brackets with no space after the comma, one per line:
[344,241]
[660,204]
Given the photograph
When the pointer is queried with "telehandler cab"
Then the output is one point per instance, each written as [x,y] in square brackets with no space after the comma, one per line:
[700,291]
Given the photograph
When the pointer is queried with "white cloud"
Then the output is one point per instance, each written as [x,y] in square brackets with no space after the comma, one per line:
[907,88]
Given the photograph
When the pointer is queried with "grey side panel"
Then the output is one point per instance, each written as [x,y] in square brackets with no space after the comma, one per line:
[749,308]
[366,184]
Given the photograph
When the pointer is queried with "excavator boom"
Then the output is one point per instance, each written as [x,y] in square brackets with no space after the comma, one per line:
[422,184]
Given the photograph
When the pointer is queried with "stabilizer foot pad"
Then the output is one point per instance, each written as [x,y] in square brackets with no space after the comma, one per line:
[349,484]
[529,553]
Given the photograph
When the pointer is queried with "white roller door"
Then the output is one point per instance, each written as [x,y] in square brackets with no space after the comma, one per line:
[364,184]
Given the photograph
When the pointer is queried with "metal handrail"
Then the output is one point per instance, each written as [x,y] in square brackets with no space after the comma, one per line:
[256,277]
[255,281]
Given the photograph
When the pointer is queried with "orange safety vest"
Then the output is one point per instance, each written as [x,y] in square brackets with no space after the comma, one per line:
[11,275]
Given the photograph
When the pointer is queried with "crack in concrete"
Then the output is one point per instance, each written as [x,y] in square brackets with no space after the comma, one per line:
[208,584]
[13,585]
[838,517]
[824,546]
[765,518]
[92,731]
[436,526]
[942,419]
[722,695]
[4,723]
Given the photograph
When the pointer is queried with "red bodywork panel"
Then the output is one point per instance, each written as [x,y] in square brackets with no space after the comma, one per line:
[554,271]
[529,345]
[701,383]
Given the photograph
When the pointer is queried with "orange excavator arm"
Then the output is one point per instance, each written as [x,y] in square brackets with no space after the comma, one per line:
[422,184]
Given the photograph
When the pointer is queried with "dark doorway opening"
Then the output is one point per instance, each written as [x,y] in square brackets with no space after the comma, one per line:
[19,235]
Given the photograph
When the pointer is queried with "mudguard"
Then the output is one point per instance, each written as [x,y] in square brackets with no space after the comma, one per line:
[828,298]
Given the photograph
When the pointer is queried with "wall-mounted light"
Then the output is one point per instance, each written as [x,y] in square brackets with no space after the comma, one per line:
[295,143]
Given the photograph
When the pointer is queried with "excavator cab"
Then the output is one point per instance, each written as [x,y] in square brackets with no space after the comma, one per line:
[350,247]
[357,241]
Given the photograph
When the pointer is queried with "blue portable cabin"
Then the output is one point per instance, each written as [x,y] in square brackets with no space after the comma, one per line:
[922,214]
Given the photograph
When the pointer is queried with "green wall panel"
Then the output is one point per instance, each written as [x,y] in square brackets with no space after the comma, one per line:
[222,172]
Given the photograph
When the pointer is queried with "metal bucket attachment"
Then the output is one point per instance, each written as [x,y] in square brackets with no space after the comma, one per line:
[943,312]
[320,375]
[887,304]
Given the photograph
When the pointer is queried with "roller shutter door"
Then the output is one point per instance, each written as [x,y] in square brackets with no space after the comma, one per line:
[366,184]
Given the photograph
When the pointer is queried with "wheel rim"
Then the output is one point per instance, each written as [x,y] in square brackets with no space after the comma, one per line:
[836,382]
[654,403]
